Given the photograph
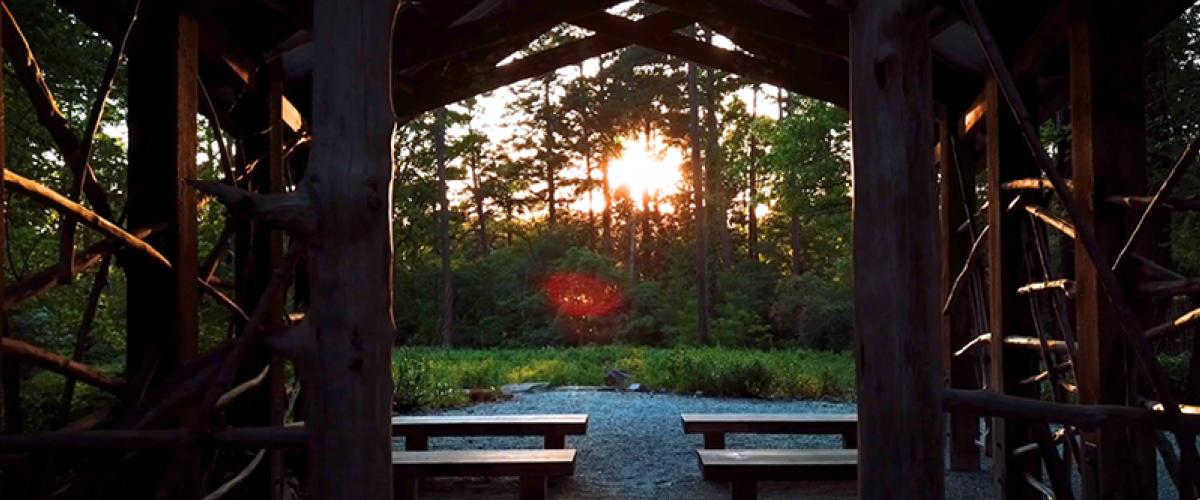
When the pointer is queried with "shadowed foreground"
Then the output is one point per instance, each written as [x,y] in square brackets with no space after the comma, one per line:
[636,448]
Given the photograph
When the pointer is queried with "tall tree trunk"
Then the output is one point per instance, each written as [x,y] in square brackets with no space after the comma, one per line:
[631,240]
[714,170]
[606,213]
[796,243]
[698,201]
[551,168]
[443,229]
[752,175]
[480,208]
[647,224]
[344,343]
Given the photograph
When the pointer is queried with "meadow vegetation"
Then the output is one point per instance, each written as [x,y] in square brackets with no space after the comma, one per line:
[437,378]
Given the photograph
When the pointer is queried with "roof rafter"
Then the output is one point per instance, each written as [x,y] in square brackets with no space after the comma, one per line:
[822,82]
[417,96]
[414,47]
[825,35]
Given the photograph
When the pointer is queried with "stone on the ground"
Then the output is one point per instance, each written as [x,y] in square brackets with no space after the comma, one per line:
[635,387]
[617,378]
[524,387]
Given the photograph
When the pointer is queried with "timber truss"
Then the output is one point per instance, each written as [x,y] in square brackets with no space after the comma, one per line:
[1027,338]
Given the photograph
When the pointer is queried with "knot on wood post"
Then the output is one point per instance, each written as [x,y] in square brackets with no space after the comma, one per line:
[290,212]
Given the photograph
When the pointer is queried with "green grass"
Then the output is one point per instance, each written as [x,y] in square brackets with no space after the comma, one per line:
[432,378]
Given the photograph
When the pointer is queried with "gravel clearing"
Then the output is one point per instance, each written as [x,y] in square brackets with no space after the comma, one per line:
[635,448]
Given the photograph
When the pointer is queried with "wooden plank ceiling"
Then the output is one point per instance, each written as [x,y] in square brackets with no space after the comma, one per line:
[448,50]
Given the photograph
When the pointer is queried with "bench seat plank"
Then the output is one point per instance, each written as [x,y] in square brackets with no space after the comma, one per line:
[484,463]
[800,423]
[490,425]
[778,465]
[714,426]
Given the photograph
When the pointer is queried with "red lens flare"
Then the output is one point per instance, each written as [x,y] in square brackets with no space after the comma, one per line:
[581,295]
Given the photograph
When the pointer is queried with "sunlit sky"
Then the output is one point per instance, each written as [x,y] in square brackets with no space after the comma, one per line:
[652,168]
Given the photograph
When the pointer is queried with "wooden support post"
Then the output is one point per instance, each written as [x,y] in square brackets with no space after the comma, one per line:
[162,156]
[260,251]
[714,440]
[893,138]
[13,484]
[344,344]
[533,488]
[416,442]
[743,490]
[162,302]
[261,254]
[9,377]
[554,441]
[1108,157]
[1008,158]
[956,197]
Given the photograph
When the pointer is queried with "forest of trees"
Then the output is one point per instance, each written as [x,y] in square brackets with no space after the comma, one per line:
[540,204]
[495,208]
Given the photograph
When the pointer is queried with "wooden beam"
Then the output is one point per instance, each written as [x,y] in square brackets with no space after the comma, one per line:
[1187,286]
[827,82]
[892,143]
[37,283]
[42,358]
[411,98]
[1032,184]
[1067,287]
[954,205]
[827,35]
[30,75]
[1107,157]
[1190,203]
[1045,40]
[218,45]
[51,199]
[162,109]
[508,20]
[238,437]
[1178,324]
[1008,312]
[1082,416]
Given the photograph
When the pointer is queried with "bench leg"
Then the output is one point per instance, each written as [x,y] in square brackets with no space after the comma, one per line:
[744,490]
[714,440]
[533,488]
[555,441]
[850,440]
[405,488]
[416,443]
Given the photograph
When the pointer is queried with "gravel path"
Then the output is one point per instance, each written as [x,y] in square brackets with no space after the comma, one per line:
[635,448]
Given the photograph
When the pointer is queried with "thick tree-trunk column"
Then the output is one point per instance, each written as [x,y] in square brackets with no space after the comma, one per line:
[349,330]
[956,196]
[1007,159]
[897,350]
[1108,158]
[163,319]
[12,484]
[9,375]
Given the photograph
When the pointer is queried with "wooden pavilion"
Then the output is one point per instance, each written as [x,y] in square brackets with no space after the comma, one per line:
[938,91]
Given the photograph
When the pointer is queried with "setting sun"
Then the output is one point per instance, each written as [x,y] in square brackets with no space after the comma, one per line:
[645,171]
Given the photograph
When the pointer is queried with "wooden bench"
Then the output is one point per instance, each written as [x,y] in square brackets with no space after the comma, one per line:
[553,428]
[745,468]
[533,467]
[714,426]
